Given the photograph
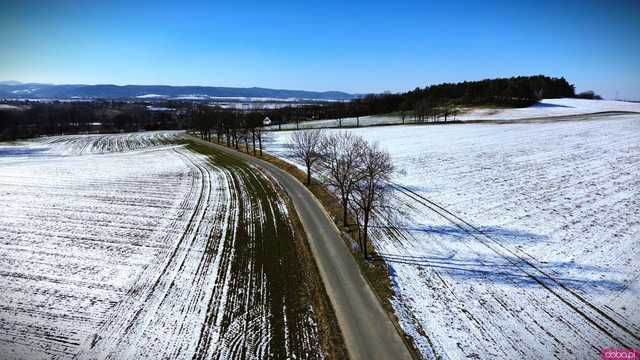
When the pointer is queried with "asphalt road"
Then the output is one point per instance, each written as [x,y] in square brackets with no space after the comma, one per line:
[367,330]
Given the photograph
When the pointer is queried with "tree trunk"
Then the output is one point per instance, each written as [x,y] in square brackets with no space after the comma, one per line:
[260,142]
[308,174]
[345,219]
[365,235]
[253,139]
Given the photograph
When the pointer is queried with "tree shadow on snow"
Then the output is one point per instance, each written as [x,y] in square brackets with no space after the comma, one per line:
[510,270]
[546,105]
[496,232]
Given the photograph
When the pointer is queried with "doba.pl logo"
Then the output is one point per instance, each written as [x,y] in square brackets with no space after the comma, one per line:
[619,354]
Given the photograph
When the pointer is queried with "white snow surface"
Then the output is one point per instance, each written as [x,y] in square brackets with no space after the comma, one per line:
[115,246]
[550,268]
[9,107]
[151,96]
[552,107]
[544,108]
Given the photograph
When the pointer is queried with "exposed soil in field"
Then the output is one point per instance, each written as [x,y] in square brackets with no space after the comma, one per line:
[268,251]
[127,247]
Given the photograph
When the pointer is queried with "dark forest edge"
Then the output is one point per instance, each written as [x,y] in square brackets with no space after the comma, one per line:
[24,119]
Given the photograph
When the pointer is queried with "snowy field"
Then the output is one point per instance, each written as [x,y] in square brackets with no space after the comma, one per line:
[534,251]
[552,107]
[130,247]
[544,108]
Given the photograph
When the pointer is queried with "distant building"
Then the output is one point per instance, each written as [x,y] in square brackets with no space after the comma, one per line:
[266,121]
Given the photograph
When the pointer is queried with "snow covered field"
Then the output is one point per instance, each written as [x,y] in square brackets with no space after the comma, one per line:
[544,108]
[552,107]
[126,246]
[534,250]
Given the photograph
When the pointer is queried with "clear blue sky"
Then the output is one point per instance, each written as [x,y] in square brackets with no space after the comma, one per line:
[359,46]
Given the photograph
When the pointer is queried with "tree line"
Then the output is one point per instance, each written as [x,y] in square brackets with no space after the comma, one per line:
[357,171]
[432,103]
[440,101]
[436,102]
[36,119]
[233,127]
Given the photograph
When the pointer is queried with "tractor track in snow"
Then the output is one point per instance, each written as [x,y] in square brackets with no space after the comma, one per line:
[152,251]
[125,334]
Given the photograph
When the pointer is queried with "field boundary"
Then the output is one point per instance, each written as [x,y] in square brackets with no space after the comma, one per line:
[525,120]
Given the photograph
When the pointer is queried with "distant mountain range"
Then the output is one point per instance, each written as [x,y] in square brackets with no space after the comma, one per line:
[17,90]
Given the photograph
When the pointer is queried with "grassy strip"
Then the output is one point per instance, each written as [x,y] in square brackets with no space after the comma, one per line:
[376,273]
[296,276]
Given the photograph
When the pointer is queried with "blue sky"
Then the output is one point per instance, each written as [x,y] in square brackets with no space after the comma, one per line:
[359,46]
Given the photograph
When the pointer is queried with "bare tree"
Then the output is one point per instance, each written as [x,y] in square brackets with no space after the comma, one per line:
[370,191]
[340,165]
[254,126]
[446,110]
[306,146]
[258,134]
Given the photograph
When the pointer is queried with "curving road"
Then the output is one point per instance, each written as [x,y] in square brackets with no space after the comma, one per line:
[367,330]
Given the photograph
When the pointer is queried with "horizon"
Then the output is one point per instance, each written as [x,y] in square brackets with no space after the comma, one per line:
[355,48]
[405,180]
[18,83]
[178,85]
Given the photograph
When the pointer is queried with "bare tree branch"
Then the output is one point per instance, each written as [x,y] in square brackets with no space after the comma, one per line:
[340,164]
[307,147]
[371,188]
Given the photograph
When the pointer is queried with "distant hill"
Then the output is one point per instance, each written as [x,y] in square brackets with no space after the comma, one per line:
[16,90]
